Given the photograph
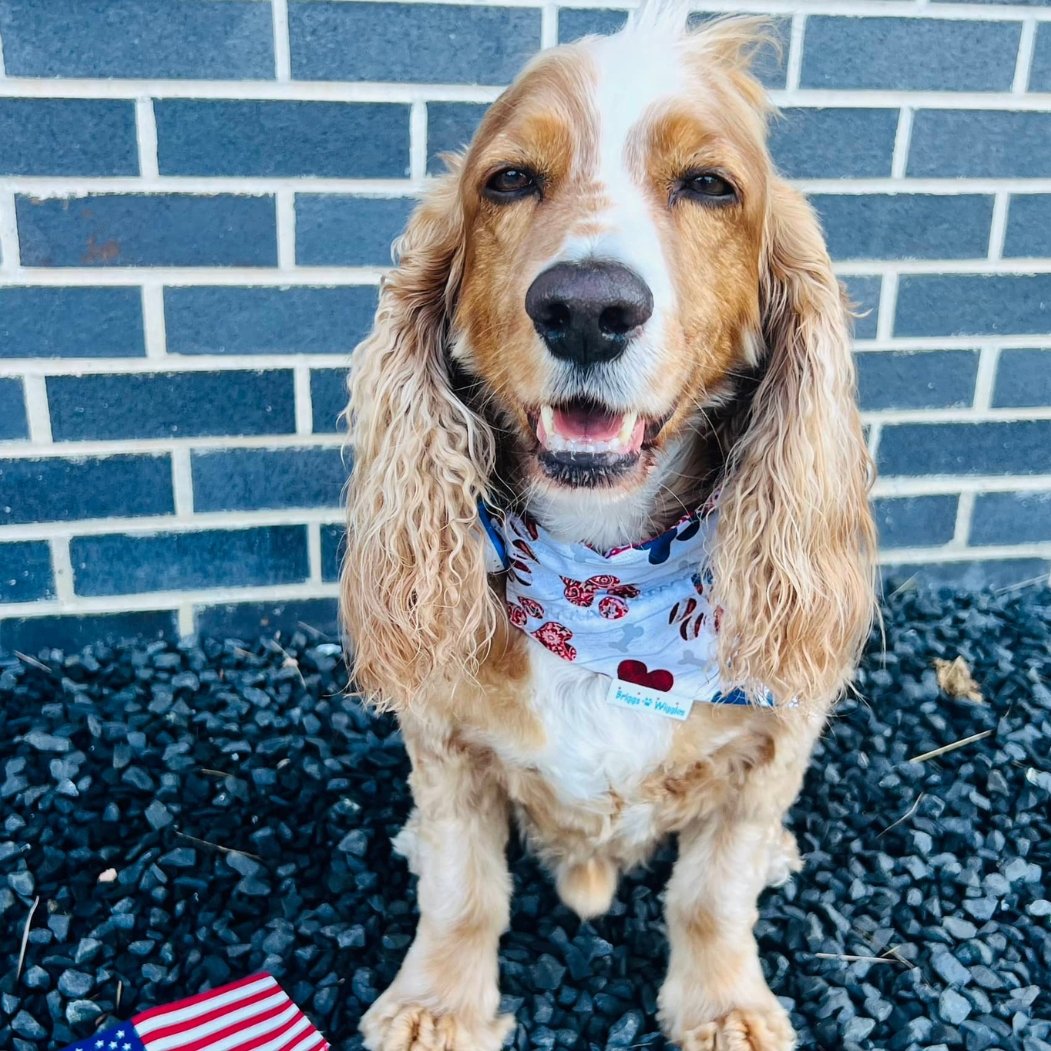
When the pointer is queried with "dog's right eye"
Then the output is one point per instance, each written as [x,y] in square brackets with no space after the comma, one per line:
[509,184]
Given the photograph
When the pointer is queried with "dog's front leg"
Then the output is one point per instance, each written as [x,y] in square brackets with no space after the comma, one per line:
[715,997]
[446,997]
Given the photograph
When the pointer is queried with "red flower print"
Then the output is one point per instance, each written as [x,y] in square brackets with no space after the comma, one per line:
[532,607]
[603,581]
[612,608]
[578,592]
[524,548]
[623,590]
[690,617]
[516,615]
[556,638]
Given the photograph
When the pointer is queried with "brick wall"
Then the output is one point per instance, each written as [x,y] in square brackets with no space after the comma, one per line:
[197,199]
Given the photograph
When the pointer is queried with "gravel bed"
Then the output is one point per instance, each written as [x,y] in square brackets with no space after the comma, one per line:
[131,775]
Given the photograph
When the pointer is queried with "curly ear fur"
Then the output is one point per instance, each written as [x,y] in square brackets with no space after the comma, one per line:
[795,557]
[414,595]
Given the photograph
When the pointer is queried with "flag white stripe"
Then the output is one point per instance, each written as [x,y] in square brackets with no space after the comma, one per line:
[280,1043]
[243,1036]
[311,1041]
[224,1021]
[187,1014]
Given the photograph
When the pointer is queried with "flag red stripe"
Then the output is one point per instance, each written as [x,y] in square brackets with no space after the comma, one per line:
[197,998]
[185,1025]
[266,1038]
[184,1041]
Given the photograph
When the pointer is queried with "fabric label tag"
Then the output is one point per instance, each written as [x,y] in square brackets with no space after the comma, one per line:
[646,699]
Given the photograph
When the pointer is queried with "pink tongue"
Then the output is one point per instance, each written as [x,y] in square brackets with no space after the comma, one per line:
[592,424]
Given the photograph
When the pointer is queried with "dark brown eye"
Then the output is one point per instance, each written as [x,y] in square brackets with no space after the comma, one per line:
[509,184]
[709,188]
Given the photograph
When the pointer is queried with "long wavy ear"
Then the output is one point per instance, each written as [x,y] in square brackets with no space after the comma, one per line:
[414,596]
[794,561]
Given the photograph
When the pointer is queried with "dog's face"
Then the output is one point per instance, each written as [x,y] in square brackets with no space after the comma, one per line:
[614,205]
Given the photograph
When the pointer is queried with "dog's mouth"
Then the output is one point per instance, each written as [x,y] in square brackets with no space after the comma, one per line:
[584,443]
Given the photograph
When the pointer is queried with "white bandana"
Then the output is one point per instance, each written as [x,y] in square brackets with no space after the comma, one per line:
[639,615]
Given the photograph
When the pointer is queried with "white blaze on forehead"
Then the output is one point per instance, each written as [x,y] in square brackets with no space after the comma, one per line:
[635,71]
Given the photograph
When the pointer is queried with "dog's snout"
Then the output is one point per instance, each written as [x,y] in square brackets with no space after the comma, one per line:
[586,312]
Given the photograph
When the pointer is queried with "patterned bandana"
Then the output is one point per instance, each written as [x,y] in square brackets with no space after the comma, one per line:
[639,615]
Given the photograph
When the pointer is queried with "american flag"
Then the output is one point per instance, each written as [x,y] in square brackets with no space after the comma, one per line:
[254,1014]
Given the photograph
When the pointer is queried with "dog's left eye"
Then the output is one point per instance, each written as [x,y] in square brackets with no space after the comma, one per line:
[708,187]
[509,184]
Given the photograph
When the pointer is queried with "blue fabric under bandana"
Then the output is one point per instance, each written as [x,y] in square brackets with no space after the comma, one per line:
[639,614]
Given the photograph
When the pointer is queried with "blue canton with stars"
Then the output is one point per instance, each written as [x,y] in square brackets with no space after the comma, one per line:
[119,1038]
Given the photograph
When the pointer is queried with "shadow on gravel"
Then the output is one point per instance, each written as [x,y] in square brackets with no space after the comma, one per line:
[189,814]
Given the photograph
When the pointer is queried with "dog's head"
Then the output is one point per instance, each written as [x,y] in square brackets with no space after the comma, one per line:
[612,261]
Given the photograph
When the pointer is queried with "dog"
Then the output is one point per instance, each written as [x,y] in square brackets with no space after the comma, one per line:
[610,554]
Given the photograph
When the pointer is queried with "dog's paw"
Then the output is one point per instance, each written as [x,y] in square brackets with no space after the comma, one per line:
[393,1025]
[742,1029]
[587,888]
[785,861]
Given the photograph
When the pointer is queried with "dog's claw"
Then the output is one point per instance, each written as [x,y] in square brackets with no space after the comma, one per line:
[743,1029]
[393,1026]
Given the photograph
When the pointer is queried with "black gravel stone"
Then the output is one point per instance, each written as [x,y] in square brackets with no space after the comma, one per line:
[188,814]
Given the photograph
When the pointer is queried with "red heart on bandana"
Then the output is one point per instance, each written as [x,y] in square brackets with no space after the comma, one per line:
[638,673]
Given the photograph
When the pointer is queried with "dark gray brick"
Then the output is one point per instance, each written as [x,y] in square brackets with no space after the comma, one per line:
[328,398]
[246,479]
[118,564]
[973,304]
[575,22]
[966,576]
[864,294]
[25,572]
[131,229]
[1011,518]
[915,521]
[225,39]
[368,140]
[297,320]
[12,410]
[71,633]
[71,323]
[980,144]
[340,230]
[248,620]
[333,545]
[171,405]
[1023,377]
[1023,447]
[1028,225]
[915,54]
[67,137]
[834,143]
[1040,70]
[435,43]
[905,226]
[64,490]
[927,379]
[450,127]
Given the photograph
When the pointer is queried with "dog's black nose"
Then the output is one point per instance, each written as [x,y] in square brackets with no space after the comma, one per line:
[586,312]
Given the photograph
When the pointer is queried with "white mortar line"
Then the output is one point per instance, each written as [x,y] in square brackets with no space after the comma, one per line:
[9,265]
[147,526]
[418,142]
[1019,414]
[152,600]
[184,620]
[902,139]
[1025,57]
[875,432]
[282,47]
[285,205]
[3,65]
[985,380]
[888,303]
[182,482]
[172,363]
[153,321]
[964,514]
[62,567]
[38,415]
[303,400]
[892,556]
[548,25]
[45,186]
[998,226]
[314,552]
[795,51]
[146,136]
[938,485]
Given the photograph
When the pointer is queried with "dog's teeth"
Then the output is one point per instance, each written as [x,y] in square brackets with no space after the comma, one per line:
[547,416]
[626,428]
